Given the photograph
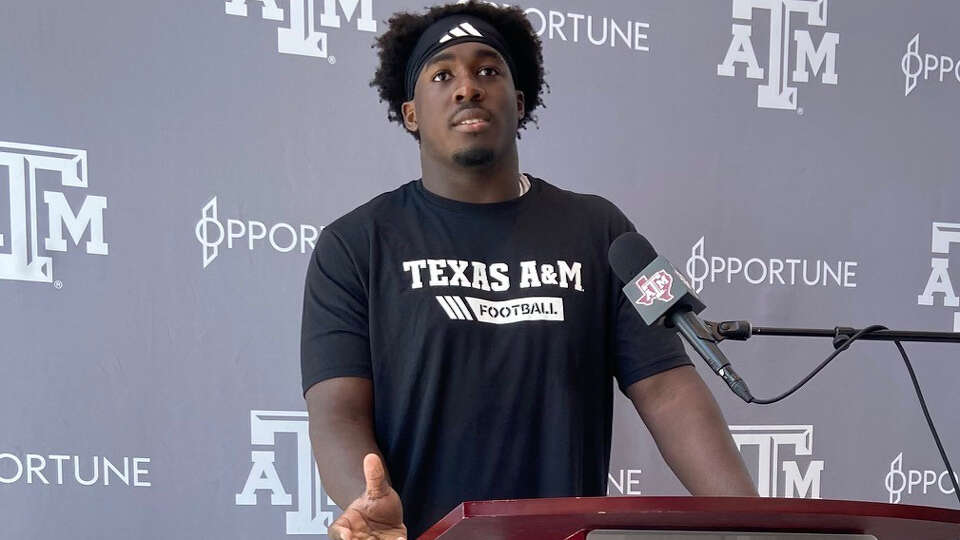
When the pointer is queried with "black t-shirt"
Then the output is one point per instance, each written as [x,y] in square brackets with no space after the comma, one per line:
[491,333]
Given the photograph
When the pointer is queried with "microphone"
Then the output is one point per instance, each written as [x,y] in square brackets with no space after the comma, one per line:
[662,296]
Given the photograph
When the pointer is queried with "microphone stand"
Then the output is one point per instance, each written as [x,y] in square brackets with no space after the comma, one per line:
[843,337]
[743,330]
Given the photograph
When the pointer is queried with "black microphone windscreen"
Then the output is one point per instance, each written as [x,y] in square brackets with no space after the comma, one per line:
[629,254]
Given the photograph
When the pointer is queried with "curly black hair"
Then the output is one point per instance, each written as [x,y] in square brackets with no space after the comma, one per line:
[405,28]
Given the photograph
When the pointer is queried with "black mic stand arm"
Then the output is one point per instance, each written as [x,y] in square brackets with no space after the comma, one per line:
[843,337]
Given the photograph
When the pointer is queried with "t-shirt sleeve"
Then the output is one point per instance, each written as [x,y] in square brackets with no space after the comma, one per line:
[639,351]
[334,331]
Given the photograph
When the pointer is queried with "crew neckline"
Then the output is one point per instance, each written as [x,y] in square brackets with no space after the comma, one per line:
[462,207]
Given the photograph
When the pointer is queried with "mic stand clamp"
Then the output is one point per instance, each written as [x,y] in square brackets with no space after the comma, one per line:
[734,330]
[841,335]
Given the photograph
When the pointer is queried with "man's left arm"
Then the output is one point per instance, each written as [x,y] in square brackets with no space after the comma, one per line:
[691,433]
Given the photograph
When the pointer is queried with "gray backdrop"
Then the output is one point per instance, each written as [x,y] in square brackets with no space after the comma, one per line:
[165,167]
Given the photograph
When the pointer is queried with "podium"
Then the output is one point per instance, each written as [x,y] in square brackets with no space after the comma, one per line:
[689,518]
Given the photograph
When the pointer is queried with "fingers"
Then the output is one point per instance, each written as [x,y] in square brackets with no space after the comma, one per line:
[336,532]
[375,477]
[341,529]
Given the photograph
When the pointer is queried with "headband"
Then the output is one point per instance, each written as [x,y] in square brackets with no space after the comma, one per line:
[449,31]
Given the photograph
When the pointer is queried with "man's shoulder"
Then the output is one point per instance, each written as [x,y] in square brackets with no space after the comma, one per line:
[383,206]
[354,231]
[584,204]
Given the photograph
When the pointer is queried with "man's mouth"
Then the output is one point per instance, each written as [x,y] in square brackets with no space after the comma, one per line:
[472,125]
[471,120]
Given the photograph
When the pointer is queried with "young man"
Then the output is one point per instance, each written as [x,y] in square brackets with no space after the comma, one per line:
[461,333]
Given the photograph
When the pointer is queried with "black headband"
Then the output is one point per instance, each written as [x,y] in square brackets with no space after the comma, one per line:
[449,31]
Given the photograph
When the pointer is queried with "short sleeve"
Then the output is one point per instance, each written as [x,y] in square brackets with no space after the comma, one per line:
[334,330]
[639,351]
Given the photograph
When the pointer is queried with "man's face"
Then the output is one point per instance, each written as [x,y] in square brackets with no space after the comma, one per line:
[465,107]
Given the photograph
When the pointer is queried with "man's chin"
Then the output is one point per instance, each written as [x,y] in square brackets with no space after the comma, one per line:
[474,157]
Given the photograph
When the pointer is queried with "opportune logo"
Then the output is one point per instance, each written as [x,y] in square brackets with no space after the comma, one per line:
[313,514]
[586,28]
[913,64]
[939,282]
[767,271]
[86,472]
[282,237]
[624,482]
[922,481]
[26,167]
[302,36]
[768,441]
[777,92]
[656,287]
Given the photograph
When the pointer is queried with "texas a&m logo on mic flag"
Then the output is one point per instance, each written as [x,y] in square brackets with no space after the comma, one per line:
[655,288]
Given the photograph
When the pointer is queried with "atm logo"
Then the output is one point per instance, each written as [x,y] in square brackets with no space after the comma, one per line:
[302,37]
[309,509]
[25,253]
[938,286]
[775,92]
[776,474]
[656,287]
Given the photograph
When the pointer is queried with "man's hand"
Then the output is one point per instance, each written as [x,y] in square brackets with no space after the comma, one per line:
[375,515]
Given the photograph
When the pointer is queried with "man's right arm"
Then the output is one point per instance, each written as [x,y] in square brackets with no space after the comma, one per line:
[334,341]
[341,432]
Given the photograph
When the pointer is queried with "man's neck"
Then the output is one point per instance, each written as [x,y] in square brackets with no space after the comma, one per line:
[496,182]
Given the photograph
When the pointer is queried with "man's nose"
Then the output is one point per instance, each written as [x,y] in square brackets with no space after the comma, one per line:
[469,91]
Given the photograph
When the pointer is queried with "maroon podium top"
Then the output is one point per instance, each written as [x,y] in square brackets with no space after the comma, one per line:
[572,518]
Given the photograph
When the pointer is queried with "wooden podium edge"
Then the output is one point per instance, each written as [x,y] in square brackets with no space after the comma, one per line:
[729,505]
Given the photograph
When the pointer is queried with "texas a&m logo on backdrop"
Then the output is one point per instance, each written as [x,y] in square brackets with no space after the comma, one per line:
[25,246]
[939,287]
[776,92]
[776,475]
[313,511]
[302,37]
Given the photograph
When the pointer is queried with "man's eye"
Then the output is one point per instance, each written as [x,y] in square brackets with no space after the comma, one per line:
[490,70]
[437,77]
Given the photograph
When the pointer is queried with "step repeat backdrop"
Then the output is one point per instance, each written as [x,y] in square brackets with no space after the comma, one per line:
[166,168]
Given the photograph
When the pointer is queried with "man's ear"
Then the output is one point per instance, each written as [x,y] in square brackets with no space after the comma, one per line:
[410,116]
